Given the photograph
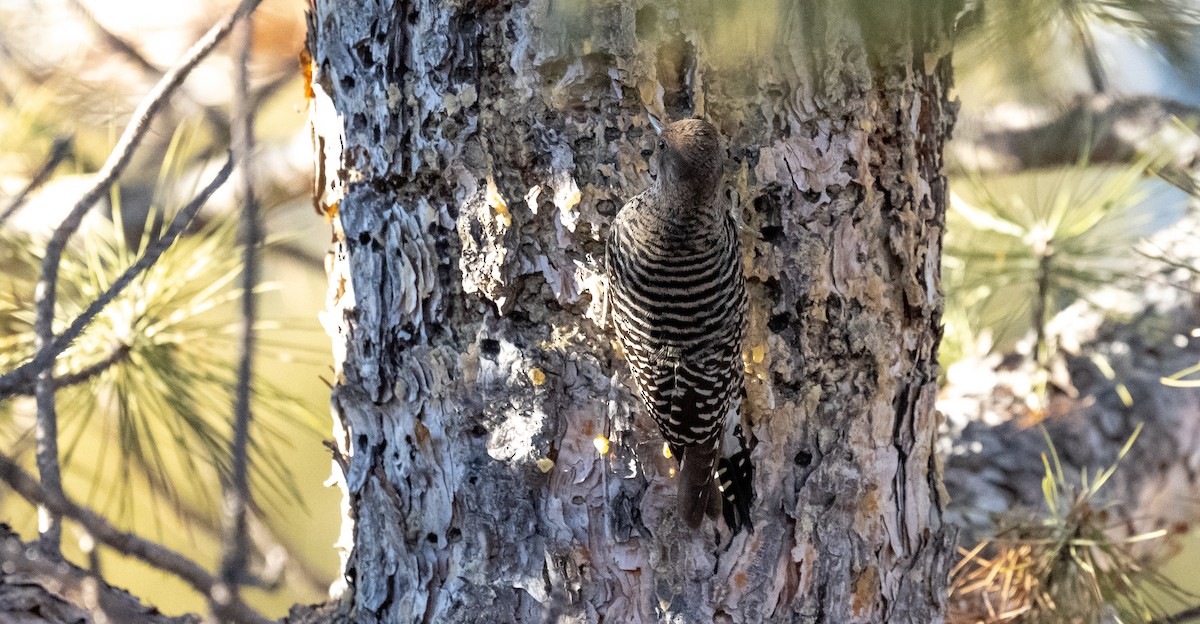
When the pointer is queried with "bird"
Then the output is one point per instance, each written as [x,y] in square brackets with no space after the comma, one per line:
[677,295]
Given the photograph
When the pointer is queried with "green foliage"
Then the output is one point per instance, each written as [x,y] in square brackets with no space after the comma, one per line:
[153,374]
[1020,249]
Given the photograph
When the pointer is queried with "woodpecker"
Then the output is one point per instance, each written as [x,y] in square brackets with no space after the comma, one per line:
[678,299]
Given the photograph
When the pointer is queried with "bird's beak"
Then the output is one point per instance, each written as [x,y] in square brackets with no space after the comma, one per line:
[655,122]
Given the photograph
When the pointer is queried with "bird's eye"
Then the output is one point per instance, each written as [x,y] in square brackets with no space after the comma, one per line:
[662,144]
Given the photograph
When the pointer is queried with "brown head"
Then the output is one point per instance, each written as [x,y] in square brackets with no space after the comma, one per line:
[689,153]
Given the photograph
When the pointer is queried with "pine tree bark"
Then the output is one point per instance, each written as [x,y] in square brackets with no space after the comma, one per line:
[473,155]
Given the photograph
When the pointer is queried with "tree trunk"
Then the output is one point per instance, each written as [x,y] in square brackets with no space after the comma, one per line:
[496,465]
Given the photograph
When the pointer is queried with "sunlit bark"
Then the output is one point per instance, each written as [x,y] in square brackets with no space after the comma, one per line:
[473,155]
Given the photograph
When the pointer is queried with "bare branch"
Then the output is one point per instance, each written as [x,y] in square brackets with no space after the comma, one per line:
[46,432]
[124,542]
[237,492]
[118,354]
[58,152]
[118,44]
[22,378]
[23,567]
[46,293]
[267,550]
[1187,615]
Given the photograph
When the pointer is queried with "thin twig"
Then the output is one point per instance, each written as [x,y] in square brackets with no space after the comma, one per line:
[21,563]
[118,44]
[1041,350]
[1091,56]
[237,492]
[114,357]
[124,542]
[20,379]
[1187,615]
[46,293]
[264,552]
[58,151]
[46,434]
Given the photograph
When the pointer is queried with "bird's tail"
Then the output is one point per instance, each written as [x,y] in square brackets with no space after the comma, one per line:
[698,494]
[717,479]
[735,480]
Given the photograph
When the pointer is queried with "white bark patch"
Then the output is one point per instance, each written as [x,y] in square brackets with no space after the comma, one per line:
[519,423]
[328,127]
[806,164]
[566,197]
[485,262]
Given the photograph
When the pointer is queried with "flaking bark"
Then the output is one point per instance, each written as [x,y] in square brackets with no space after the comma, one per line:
[474,155]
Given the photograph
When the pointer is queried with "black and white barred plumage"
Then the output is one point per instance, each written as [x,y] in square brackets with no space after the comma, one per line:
[678,299]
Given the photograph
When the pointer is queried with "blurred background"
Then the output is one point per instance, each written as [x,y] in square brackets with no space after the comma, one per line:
[1049,252]
[144,439]
[1070,273]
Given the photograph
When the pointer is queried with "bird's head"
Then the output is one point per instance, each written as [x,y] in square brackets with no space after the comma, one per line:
[689,153]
